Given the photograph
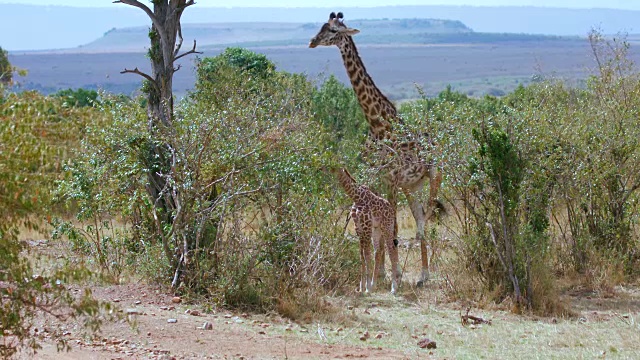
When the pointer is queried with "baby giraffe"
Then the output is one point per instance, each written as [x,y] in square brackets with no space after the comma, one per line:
[375,219]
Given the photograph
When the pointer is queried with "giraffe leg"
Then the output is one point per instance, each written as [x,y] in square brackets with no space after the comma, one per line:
[363,229]
[392,248]
[363,264]
[435,180]
[363,272]
[378,249]
[418,212]
[422,217]
[392,198]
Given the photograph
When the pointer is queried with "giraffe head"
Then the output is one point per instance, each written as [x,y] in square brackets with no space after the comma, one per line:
[332,31]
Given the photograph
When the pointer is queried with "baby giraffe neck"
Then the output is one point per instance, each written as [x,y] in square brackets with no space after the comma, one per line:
[349,184]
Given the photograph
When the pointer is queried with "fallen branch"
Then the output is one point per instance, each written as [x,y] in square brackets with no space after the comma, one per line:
[465,319]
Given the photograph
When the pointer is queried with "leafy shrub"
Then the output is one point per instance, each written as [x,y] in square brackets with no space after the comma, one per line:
[496,191]
[549,169]
[37,136]
[251,224]
[255,65]
[336,107]
[514,210]
[601,181]
[278,253]
[6,70]
[78,98]
[104,189]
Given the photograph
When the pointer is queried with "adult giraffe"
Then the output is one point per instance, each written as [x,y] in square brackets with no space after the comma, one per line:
[407,171]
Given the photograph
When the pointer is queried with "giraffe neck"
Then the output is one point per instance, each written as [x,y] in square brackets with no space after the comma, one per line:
[349,184]
[377,108]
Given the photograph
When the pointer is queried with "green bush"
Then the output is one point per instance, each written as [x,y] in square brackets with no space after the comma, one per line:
[279,253]
[513,206]
[551,169]
[599,153]
[256,66]
[104,189]
[496,192]
[37,136]
[78,98]
[336,107]
[6,70]
[252,223]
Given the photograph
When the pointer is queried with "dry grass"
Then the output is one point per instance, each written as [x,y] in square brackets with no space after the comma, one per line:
[602,329]
[604,324]
[28,234]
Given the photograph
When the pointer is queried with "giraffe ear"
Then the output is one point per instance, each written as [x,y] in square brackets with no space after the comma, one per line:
[349,31]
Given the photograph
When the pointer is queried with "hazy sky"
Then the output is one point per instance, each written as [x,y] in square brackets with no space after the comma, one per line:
[617,4]
[50,28]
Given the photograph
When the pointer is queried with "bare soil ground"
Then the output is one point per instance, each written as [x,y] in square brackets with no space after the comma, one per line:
[604,328]
[375,326]
[148,335]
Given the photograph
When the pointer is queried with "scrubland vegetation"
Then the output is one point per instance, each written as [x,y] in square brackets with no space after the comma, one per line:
[539,185]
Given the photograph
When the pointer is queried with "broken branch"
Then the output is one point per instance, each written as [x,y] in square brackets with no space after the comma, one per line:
[144,75]
[140,5]
[465,319]
[186,4]
[192,51]
[147,10]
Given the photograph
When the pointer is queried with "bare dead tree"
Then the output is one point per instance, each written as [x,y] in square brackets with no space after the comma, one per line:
[166,41]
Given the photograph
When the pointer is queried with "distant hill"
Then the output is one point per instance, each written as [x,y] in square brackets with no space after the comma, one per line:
[55,27]
[475,67]
[476,50]
[279,34]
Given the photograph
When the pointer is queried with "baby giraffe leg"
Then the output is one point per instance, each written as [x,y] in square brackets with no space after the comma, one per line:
[363,230]
[380,258]
[396,272]
[378,249]
[392,249]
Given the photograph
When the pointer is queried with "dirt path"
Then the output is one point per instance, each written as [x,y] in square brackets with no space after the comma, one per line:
[233,336]
[376,326]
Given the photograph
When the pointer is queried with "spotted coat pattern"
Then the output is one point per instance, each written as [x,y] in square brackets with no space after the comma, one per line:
[406,171]
[375,221]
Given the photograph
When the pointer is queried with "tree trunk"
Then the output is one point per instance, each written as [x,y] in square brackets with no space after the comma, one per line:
[166,40]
